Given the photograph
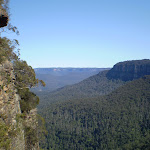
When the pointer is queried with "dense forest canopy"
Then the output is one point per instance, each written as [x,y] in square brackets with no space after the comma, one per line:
[93,86]
[120,120]
[100,112]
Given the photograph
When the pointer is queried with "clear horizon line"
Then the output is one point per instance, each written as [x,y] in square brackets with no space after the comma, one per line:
[72,67]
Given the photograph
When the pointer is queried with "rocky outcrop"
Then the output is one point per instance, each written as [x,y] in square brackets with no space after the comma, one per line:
[31,130]
[130,70]
[10,109]
[14,125]
[3,17]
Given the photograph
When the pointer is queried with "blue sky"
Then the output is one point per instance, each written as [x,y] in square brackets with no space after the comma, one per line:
[81,33]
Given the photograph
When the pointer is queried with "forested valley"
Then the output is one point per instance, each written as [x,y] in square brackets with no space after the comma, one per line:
[114,115]
[106,109]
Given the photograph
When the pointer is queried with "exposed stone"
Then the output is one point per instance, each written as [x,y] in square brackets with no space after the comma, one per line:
[10,107]
[130,70]
[10,111]
[31,122]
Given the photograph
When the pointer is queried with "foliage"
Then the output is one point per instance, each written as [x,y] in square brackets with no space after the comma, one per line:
[59,77]
[28,101]
[25,75]
[6,133]
[24,79]
[7,49]
[42,132]
[30,137]
[4,136]
[91,87]
[120,120]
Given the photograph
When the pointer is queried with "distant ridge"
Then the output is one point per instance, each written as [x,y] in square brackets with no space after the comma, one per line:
[59,77]
[102,83]
[62,71]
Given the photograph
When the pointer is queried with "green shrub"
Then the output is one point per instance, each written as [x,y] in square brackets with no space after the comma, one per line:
[28,100]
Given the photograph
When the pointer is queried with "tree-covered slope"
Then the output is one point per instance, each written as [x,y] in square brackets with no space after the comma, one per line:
[100,84]
[120,120]
[91,87]
[59,77]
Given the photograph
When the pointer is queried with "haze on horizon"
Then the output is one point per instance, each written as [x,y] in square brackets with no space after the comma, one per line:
[98,33]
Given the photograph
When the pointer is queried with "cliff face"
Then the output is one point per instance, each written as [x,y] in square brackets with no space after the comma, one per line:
[9,110]
[13,124]
[130,70]
[31,123]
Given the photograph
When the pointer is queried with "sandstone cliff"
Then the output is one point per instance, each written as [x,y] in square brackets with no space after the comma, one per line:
[130,70]
[15,127]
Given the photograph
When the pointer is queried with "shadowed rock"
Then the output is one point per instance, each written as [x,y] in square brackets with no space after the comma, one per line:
[130,70]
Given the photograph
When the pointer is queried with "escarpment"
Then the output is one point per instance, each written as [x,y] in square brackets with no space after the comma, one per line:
[18,131]
[12,133]
[130,70]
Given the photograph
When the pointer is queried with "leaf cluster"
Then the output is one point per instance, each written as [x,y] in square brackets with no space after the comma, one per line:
[7,49]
